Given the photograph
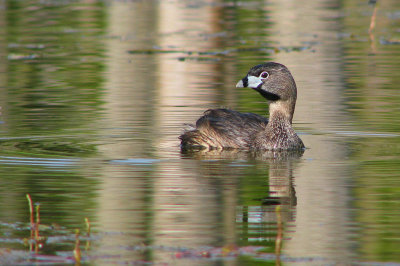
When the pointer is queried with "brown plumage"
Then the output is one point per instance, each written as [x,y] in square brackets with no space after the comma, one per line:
[224,128]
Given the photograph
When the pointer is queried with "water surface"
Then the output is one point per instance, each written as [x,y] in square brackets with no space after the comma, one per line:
[94,95]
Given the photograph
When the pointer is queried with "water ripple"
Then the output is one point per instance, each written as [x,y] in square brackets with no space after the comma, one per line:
[32,161]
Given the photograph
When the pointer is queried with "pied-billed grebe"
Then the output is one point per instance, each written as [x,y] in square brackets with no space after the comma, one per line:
[223,128]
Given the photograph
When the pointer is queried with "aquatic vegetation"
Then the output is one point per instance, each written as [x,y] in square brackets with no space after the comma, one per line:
[42,236]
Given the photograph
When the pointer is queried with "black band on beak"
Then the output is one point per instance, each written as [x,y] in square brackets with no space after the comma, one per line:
[245,82]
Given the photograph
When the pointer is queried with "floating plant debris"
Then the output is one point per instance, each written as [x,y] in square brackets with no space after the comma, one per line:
[384,41]
[22,56]
[198,55]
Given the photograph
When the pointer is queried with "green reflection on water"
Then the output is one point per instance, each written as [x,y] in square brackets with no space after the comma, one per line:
[60,146]
[54,73]
[64,195]
[373,99]
[54,88]
[378,191]
[50,98]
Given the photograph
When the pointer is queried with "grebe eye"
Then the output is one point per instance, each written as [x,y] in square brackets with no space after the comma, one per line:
[264,75]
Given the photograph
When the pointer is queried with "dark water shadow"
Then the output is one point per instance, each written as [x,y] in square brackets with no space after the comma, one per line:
[238,154]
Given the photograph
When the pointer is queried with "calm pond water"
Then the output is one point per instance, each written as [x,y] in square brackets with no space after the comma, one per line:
[94,95]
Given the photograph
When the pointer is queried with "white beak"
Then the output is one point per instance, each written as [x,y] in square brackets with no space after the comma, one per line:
[239,84]
[252,82]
